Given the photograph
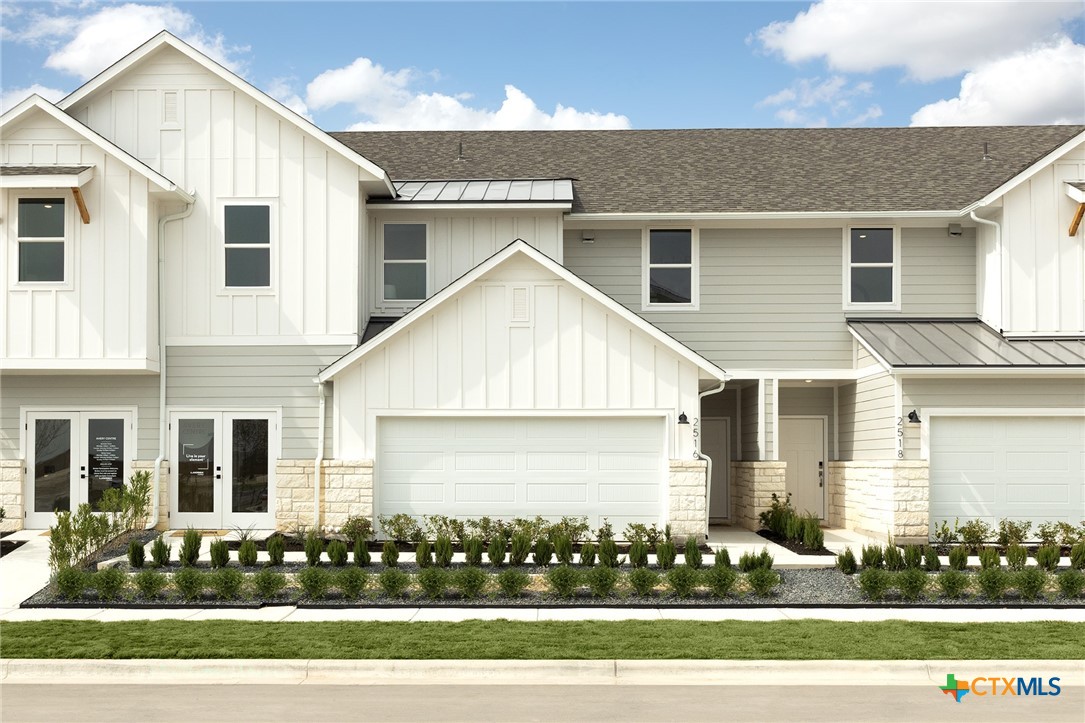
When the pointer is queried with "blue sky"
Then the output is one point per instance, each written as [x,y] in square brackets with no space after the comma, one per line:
[579,65]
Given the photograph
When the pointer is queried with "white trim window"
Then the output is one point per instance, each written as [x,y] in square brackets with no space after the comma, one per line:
[872,269]
[671,269]
[43,228]
[404,263]
[248,231]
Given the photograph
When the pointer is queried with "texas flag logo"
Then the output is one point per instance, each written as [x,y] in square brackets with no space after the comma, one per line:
[957,688]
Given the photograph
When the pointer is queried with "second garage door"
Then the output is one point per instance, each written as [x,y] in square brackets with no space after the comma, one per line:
[1022,468]
[469,467]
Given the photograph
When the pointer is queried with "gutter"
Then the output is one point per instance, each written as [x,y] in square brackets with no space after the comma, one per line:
[1001,267]
[697,454]
[319,461]
[163,420]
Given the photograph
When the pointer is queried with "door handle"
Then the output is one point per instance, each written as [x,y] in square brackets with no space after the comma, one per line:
[218,472]
[82,472]
[821,474]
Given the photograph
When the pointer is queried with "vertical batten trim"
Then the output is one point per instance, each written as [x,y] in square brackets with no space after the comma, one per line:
[775,419]
[761,451]
[738,424]
[836,422]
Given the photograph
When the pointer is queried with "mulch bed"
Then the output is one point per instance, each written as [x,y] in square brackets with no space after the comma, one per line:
[797,547]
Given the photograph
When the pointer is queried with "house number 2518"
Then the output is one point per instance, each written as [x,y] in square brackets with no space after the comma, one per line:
[900,437]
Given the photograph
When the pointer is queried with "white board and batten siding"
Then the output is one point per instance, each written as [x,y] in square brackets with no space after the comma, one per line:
[102,317]
[221,144]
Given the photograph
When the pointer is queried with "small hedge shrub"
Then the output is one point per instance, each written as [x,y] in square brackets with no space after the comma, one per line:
[442,551]
[512,582]
[434,582]
[314,582]
[1047,557]
[587,554]
[423,554]
[190,582]
[952,583]
[70,582]
[1030,583]
[220,553]
[874,582]
[912,583]
[722,558]
[845,562]
[276,550]
[389,554]
[246,554]
[109,582]
[993,581]
[666,552]
[762,581]
[693,554]
[958,558]
[160,552]
[643,581]
[681,580]
[720,580]
[563,580]
[314,548]
[190,547]
[931,563]
[1071,583]
[226,583]
[268,583]
[337,553]
[601,580]
[150,583]
[394,582]
[135,554]
[361,555]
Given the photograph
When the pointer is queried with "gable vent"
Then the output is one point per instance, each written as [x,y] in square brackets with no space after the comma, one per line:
[169,106]
[521,311]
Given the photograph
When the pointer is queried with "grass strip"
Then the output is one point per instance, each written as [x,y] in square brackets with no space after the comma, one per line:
[503,639]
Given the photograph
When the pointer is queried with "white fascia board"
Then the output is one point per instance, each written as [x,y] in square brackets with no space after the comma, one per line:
[44,180]
[1026,174]
[269,340]
[758,216]
[80,366]
[821,375]
[165,38]
[522,247]
[36,102]
[1076,194]
[506,206]
[877,357]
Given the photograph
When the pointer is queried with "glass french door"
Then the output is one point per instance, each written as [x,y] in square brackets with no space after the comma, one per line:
[222,471]
[73,458]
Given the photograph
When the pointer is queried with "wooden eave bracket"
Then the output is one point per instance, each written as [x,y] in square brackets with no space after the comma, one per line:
[83,212]
[1077,219]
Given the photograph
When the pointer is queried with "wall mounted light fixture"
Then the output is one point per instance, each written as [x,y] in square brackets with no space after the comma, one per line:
[913,417]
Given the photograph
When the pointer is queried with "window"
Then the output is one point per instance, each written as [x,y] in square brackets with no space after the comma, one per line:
[872,258]
[247,235]
[670,269]
[41,233]
[404,262]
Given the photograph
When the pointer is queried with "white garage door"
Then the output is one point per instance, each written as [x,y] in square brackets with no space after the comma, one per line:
[522,467]
[1026,468]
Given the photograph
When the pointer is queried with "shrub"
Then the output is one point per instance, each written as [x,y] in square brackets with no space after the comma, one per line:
[220,553]
[993,581]
[109,582]
[894,558]
[608,553]
[958,558]
[845,562]
[496,551]
[575,528]
[912,583]
[1077,556]
[135,553]
[752,561]
[433,581]
[913,557]
[70,582]
[638,554]
[989,558]
[874,581]
[314,548]
[605,531]
[394,582]
[337,553]
[693,554]
[401,527]
[246,554]
[423,555]
[944,536]
[563,580]
[276,550]
[813,537]
[587,554]
[681,580]
[472,551]
[720,580]
[1016,557]
[643,581]
[519,549]
[512,582]
[563,550]
[487,528]
[1069,534]
[190,547]
[389,554]
[601,580]
[160,552]
[75,537]
[314,582]
[1071,583]
[150,583]
[1030,583]
[722,558]
[543,552]
[775,518]
[872,556]
[952,583]
[1047,557]
[1013,533]
[357,528]
[190,582]
[442,551]
[351,581]
[442,526]
[974,533]
[470,581]
[1047,533]
[226,582]
[665,554]
[931,563]
[268,583]
[762,581]
[794,527]
[637,532]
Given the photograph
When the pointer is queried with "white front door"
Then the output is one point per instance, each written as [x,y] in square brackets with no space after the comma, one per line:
[72,458]
[802,446]
[714,443]
[223,469]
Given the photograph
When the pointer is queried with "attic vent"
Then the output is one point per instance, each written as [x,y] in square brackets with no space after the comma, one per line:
[169,106]
[521,310]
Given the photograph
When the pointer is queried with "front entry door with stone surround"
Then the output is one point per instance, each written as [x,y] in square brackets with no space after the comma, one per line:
[803,448]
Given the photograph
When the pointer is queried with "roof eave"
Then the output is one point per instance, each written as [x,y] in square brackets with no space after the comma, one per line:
[1024,175]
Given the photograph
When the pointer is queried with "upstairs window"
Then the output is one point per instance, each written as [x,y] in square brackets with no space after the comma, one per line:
[247,231]
[670,269]
[42,240]
[873,256]
[404,263]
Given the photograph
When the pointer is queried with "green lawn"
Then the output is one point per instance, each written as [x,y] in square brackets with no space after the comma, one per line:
[738,640]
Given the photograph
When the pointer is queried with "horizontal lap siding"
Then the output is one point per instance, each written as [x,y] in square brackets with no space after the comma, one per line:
[938,272]
[867,418]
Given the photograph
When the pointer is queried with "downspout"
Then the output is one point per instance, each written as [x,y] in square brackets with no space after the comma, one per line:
[697,454]
[163,421]
[1001,271]
[319,461]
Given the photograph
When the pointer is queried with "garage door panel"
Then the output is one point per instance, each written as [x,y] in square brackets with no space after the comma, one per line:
[477,492]
[413,492]
[1030,461]
[415,427]
[557,461]
[484,429]
[621,492]
[485,461]
[961,461]
[952,494]
[1036,491]
[557,492]
[561,428]
[430,461]
[1039,429]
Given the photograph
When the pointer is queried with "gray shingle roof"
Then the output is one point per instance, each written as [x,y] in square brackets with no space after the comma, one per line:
[730,170]
[919,343]
[6,170]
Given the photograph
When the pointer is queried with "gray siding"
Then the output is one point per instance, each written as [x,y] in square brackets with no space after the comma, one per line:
[808,401]
[751,450]
[867,418]
[938,272]
[250,376]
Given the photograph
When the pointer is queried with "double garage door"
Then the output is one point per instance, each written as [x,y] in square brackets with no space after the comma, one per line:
[1023,468]
[502,467]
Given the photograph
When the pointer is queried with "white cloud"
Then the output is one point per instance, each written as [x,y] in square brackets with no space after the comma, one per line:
[390,100]
[14,96]
[930,40]
[812,101]
[1037,86]
[872,112]
[282,90]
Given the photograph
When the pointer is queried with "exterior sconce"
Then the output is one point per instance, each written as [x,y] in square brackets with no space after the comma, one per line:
[913,417]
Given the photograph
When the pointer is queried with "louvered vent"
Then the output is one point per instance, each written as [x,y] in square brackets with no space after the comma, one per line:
[169,106]
[521,311]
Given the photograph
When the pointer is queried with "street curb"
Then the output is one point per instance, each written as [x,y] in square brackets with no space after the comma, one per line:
[531,672]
